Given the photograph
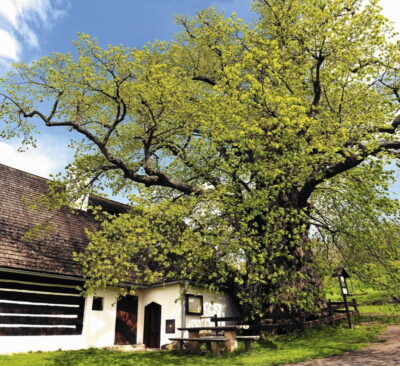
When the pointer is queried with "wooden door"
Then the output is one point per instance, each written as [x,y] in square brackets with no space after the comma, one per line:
[152,325]
[126,323]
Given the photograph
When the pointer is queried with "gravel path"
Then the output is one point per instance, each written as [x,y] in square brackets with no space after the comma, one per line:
[386,353]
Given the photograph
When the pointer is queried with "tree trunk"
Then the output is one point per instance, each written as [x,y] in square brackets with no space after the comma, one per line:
[288,282]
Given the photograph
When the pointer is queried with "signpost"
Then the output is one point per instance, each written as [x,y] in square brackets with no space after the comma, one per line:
[343,275]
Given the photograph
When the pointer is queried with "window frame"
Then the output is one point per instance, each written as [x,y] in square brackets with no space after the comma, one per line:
[98,306]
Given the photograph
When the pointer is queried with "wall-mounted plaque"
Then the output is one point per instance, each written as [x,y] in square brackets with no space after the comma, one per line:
[170,326]
[194,304]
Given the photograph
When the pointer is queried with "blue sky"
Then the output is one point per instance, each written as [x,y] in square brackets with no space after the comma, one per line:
[131,22]
[30,29]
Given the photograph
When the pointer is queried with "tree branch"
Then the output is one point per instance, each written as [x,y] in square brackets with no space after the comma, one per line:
[154,177]
[392,127]
[205,79]
[348,163]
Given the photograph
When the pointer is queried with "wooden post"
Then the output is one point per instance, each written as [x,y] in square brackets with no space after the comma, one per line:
[215,348]
[347,311]
[230,341]
[194,347]
[302,317]
[216,320]
[330,310]
[355,306]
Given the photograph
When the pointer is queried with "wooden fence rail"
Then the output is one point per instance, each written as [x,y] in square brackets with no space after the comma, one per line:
[306,324]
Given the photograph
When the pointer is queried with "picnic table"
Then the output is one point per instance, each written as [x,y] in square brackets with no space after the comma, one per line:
[229,338]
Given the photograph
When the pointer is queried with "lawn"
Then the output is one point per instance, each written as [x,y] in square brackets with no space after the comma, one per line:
[277,350]
[384,309]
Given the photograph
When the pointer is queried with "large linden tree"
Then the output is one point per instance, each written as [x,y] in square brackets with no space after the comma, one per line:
[224,140]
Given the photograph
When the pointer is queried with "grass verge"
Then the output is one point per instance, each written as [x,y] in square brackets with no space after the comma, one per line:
[277,350]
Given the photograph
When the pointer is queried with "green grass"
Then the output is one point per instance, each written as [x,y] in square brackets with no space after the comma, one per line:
[363,292]
[277,350]
[386,309]
[384,314]
[357,287]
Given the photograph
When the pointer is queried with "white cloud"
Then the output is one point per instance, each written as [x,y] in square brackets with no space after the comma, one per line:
[9,46]
[48,158]
[19,21]
[391,10]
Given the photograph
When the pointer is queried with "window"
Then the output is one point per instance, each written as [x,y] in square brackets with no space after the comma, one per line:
[97,303]
[194,304]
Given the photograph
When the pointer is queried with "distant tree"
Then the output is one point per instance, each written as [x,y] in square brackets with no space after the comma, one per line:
[224,136]
[356,226]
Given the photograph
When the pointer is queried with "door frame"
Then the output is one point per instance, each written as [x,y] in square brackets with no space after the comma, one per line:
[148,323]
[133,306]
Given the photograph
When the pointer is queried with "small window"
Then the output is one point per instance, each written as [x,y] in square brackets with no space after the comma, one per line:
[170,326]
[194,304]
[97,303]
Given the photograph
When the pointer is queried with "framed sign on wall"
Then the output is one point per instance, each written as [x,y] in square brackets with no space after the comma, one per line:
[170,326]
[194,304]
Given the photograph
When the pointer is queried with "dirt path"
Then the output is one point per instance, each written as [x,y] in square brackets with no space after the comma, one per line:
[377,354]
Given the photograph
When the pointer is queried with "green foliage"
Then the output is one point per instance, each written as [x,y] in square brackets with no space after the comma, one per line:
[357,223]
[228,136]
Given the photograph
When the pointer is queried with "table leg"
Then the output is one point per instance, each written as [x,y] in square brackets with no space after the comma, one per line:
[247,345]
[215,348]
[179,346]
[194,347]
[230,341]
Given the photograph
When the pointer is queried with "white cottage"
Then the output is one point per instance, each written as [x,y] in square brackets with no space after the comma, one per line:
[40,307]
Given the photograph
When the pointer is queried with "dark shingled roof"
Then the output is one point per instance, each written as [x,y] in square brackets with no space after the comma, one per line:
[52,252]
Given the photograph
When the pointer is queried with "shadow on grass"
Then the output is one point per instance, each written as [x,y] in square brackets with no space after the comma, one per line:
[111,358]
[95,357]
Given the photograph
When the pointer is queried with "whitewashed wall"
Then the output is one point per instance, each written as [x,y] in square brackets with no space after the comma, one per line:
[99,326]
[221,304]
[171,299]
[98,331]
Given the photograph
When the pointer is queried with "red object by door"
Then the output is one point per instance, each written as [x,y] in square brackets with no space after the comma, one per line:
[126,323]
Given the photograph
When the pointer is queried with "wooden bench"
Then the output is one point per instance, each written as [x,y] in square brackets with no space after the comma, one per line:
[212,343]
[215,319]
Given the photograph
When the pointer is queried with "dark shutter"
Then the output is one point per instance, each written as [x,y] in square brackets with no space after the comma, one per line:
[39,305]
